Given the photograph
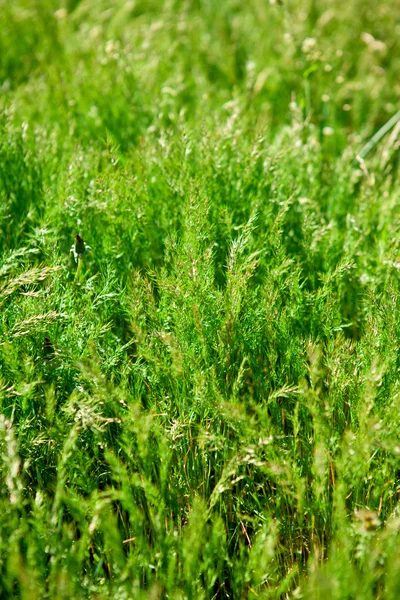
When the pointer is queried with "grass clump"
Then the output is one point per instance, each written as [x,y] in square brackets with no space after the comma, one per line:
[206,405]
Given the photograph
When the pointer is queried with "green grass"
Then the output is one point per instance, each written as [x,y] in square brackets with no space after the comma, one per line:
[210,407]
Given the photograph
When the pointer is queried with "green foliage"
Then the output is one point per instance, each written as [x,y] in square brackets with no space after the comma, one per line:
[206,404]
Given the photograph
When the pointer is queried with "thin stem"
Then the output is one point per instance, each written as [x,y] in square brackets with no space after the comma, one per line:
[379,135]
[79,268]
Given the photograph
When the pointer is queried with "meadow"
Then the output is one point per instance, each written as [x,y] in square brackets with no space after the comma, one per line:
[206,403]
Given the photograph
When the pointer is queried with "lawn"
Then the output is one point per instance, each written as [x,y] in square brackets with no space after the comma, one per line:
[199,394]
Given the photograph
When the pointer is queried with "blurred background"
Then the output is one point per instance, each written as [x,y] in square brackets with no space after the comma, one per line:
[130,68]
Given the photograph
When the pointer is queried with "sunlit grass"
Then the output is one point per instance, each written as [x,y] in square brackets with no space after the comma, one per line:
[206,404]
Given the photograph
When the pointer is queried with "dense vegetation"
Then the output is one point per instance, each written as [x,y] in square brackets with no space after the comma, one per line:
[207,403]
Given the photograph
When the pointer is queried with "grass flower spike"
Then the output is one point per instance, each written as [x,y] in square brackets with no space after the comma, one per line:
[79,250]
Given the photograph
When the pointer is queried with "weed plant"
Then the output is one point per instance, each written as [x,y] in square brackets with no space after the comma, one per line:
[207,404]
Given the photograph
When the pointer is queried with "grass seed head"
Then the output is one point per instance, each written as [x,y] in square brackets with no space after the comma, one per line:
[79,248]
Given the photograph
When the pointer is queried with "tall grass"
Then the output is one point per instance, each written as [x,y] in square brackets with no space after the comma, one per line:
[210,407]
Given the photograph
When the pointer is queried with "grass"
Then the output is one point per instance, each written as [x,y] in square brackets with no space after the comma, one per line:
[206,405]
